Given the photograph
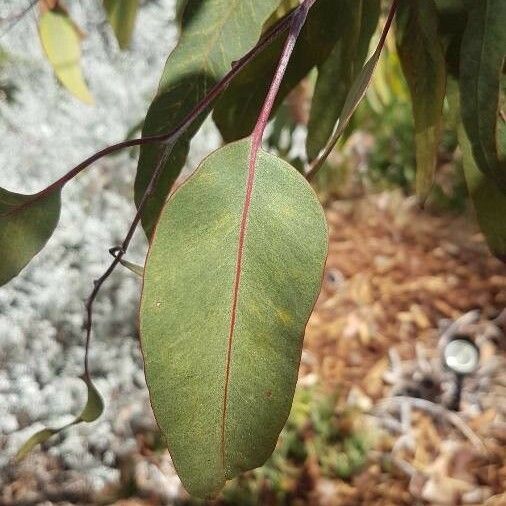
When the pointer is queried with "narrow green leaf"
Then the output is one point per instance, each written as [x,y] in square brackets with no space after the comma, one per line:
[122,15]
[228,290]
[61,42]
[24,232]
[423,63]
[483,83]
[91,412]
[38,438]
[236,111]
[353,98]
[359,20]
[215,33]
[488,201]
[180,7]
[136,269]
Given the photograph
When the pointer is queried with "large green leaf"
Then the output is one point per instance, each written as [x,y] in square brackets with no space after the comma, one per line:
[423,63]
[482,82]
[61,41]
[121,15]
[335,75]
[214,34]
[227,293]
[24,231]
[236,111]
[488,201]
[91,411]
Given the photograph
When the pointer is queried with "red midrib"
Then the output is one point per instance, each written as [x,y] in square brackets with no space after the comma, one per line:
[237,280]
[256,143]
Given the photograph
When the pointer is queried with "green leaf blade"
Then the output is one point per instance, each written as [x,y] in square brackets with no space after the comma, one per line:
[214,34]
[92,410]
[221,391]
[358,22]
[488,200]
[423,63]
[483,85]
[24,231]
[237,109]
[122,15]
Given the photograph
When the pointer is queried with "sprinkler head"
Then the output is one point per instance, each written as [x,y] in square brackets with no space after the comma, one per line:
[461,355]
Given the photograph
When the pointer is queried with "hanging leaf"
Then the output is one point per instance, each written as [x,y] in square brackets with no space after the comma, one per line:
[353,98]
[285,6]
[91,412]
[237,109]
[336,74]
[423,63]
[488,201]
[122,15]
[483,84]
[60,39]
[228,290]
[24,232]
[180,7]
[214,34]
[135,268]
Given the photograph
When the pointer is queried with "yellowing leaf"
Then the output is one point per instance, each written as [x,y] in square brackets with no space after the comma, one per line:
[61,42]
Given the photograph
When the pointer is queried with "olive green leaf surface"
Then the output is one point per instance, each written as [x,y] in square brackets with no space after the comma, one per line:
[488,200]
[483,85]
[353,98]
[25,231]
[423,63]
[226,298]
[121,15]
[214,34]
[359,20]
[91,412]
[236,111]
[60,39]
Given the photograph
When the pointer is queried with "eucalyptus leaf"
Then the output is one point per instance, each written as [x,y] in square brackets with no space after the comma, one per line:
[61,40]
[483,84]
[24,231]
[359,20]
[237,109]
[423,63]
[488,200]
[214,34]
[122,15]
[228,290]
[91,412]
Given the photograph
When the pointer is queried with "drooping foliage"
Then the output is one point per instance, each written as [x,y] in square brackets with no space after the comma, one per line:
[237,252]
